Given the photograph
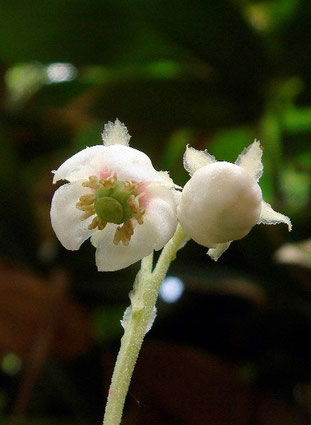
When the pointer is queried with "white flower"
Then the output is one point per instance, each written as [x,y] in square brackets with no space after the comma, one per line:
[117,198]
[223,201]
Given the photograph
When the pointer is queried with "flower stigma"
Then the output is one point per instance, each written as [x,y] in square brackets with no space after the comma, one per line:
[113,201]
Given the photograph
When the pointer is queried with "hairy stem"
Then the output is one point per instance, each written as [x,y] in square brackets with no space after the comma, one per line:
[143,299]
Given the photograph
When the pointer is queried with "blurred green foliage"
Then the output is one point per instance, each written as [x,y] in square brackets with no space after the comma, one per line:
[212,74]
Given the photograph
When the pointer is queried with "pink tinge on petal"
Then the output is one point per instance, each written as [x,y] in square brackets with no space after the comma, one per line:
[143,194]
[105,173]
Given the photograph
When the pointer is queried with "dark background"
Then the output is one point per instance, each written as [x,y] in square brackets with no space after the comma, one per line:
[234,349]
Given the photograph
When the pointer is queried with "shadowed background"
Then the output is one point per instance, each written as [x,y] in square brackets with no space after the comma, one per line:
[230,342]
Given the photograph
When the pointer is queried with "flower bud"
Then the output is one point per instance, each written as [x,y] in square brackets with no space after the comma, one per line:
[220,203]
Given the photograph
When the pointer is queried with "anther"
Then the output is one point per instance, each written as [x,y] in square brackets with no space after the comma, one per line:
[124,233]
[86,215]
[87,199]
[112,201]
[130,187]
[136,210]
[83,207]
[109,182]
[97,222]
[93,183]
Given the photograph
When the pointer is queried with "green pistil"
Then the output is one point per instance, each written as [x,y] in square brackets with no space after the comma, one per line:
[111,204]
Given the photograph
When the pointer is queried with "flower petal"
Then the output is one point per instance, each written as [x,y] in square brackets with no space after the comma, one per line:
[65,217]
[81,165]
[115,133]
[158,228]
[216,253]
[126,162]
[269,216]
[130,164]
[195,159]
[250,160]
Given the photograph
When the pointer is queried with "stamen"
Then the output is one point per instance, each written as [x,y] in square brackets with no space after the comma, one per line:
[130,186]
[94,223]
[93,183]
[136,210]
[124,233]
[87,204]
[97,222]
[87,199]
[109,182]
[86,215]
[101,225]
[84,207]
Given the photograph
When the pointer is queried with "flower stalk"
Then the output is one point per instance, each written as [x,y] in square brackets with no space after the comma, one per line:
[143,300]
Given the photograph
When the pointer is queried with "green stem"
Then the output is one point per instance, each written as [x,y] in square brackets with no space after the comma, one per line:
[143,299]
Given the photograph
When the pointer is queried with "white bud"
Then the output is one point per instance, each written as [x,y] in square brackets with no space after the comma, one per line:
[220,203]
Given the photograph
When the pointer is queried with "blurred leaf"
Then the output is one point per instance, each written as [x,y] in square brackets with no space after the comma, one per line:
[89,135]
[175,147]
[270,138]
[297,52]
[57,31]
[269,16]
[297,120]
[50,96]
[267,184]
[165,105]
[106,323]
[213,32]
[163,69]
[296,187]
[226,145]
[280,11]
[23,80]
[80,33]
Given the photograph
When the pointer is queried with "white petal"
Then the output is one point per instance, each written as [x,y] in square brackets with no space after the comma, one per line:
[126,162]
[250,160]
[219,249]
[269,216]
[65,217]
[158,228]
[81,165]
[221,202]
[195,159]
[115,133]
[130,164]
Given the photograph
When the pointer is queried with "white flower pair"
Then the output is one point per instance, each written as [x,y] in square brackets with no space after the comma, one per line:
[117,198]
